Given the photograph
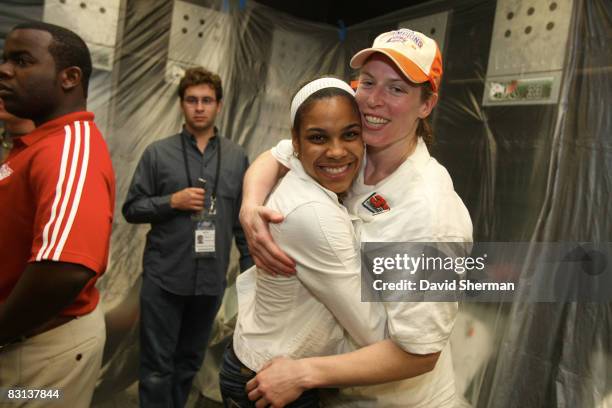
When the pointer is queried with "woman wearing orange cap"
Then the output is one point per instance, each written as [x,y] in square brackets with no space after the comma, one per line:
[401,195]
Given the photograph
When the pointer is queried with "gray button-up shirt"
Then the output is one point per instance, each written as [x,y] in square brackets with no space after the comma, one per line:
[169,257]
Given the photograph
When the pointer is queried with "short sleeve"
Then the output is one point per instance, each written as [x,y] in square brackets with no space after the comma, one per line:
[283,152]
[73,186]
[421,327]
[452,219]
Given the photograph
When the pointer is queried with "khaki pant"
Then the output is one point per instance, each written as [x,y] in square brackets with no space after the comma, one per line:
[66,358]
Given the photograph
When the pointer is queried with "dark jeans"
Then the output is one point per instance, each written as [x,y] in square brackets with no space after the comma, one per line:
[174,333]
[233,377]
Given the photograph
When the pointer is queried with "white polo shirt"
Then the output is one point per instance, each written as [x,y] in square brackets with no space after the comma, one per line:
[319,311]
[423,207]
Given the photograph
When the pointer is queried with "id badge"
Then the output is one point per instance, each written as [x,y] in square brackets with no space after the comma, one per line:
[204,238]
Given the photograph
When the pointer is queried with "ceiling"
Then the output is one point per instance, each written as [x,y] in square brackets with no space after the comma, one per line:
[330,11]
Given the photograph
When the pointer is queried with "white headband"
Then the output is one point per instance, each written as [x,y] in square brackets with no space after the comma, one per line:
[313,87]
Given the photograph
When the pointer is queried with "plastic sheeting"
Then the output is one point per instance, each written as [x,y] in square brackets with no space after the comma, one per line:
[526,173]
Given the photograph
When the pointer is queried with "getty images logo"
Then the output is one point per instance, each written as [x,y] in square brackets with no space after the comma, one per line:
[5,171]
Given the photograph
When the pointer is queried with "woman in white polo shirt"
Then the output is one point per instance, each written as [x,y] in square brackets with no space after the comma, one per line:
[398,83]
[307,315]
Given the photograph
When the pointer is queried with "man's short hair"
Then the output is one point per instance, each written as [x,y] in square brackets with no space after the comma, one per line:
[67,49]
[199,76]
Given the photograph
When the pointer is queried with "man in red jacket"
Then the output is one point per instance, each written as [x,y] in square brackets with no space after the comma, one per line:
[57,193]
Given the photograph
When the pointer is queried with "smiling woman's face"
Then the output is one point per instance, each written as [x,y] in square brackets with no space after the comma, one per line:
[390,105]
[328,142]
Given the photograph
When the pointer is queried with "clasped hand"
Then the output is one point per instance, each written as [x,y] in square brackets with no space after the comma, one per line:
[280,382]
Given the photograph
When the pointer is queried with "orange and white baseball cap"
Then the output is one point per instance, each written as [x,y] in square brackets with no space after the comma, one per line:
[415,54]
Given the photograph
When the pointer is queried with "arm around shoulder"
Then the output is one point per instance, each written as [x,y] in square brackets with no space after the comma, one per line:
[259,180]
[245,261]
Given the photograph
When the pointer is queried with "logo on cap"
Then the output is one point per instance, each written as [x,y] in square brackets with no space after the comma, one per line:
[415,54]
[404,35]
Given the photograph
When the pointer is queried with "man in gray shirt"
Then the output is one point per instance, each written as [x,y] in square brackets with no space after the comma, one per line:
[188,187]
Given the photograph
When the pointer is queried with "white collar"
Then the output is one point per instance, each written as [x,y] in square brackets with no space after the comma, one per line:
[420,156]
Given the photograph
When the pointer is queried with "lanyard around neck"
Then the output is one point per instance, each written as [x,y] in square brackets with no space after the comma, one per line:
[188,173]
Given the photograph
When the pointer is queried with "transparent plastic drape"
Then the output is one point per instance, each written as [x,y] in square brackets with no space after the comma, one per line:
[526,173]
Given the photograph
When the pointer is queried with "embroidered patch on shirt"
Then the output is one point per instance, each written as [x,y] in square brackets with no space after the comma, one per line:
[376,204]
[5,171]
